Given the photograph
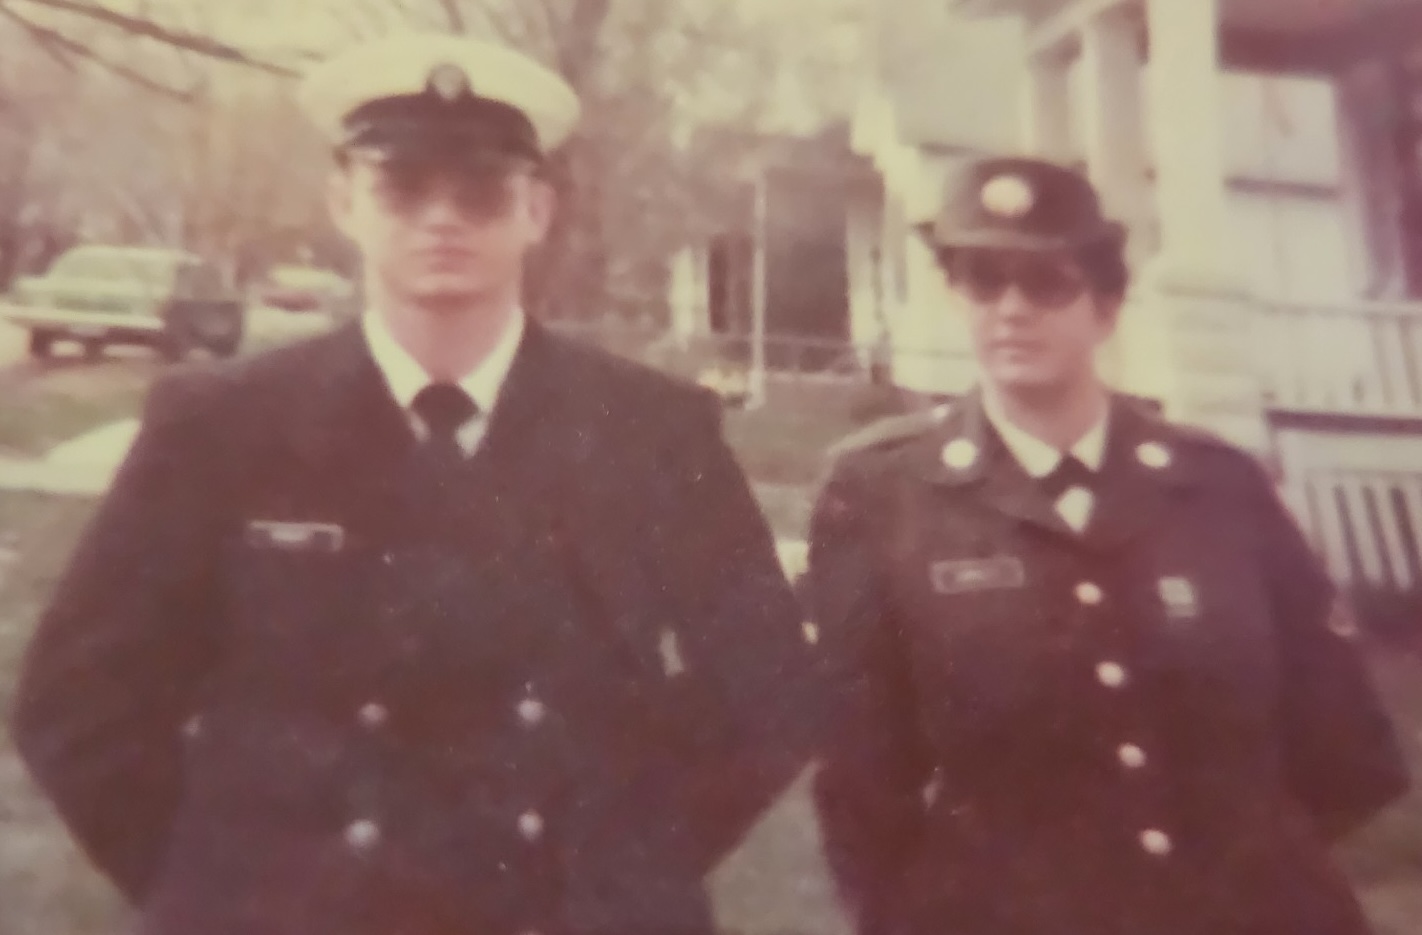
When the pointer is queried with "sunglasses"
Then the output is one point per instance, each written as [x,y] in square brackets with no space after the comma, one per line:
[479,191]
[1045,282]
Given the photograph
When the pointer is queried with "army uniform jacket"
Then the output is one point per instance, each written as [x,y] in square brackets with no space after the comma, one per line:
[285,688]
[1155,726]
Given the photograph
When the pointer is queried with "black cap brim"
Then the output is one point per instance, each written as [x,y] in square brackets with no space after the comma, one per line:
[452,152]
[418,123]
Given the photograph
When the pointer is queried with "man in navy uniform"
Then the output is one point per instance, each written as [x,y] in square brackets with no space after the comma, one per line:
[1092,679]
[438,624]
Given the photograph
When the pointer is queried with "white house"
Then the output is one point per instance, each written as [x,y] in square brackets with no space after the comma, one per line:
[1265,156]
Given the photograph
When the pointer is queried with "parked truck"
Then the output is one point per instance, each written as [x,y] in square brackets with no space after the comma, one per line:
[170,300]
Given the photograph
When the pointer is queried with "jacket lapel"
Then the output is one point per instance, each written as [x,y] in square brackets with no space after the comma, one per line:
[537,432]
[344,406]
[345,428]
[552,435]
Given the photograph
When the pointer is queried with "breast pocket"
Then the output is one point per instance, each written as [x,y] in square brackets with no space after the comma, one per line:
[977,633]
[1212,639]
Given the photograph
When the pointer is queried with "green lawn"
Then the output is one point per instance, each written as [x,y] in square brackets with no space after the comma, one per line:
[1386,857]
[45,884]
[69,399]
[70,395]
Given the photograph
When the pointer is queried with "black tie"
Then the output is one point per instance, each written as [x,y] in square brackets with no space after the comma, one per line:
[1068,473]
[443,408]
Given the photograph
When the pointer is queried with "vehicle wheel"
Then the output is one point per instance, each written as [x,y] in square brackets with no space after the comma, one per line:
[214,327]
[93,349]
[41,343]
[172,348]
[227,344]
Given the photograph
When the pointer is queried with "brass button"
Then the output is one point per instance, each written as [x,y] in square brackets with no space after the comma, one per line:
[1156,842]
[1111,674]
[530,825]
[531,711]
[374,715]
[362,835]
[1131,756]
[1089,593]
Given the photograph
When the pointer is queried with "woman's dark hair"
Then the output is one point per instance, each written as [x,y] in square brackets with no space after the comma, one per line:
[1104,264]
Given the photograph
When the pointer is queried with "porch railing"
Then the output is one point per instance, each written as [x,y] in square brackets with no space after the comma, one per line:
[806,357]
[1358,359]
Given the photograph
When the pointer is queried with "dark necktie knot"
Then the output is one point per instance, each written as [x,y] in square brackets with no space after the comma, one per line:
[1070,472]
[443,408]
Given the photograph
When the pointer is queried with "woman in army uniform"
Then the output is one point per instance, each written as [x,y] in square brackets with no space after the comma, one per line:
[1093,681]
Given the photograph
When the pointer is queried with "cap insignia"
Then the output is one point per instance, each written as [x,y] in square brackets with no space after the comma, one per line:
[448,82]
[1008,196]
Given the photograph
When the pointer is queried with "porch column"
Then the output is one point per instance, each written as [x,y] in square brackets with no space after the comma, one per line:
[1046,106]
[686,294]
[1192,308]
[1185,98]
[1113,120]
[1113,130]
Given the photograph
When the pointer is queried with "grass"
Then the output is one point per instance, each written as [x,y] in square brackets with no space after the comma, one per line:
[44,404]
[1385,858]
[68,399]
[45,883]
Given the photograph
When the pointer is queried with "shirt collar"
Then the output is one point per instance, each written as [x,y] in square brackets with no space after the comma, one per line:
[405,377]
[1037,457]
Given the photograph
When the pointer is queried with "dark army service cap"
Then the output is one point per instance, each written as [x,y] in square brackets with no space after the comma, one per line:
[423,93]
[1018,203]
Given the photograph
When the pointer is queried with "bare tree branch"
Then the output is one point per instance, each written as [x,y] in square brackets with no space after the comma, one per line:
[139,26]
[363,20]
[580,40]
[60,47]
[508,22]
[454,15]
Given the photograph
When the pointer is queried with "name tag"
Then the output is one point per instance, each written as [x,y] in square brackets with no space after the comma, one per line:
[957,576]
[296,537]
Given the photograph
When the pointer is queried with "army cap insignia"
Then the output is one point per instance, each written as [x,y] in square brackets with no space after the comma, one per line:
[960,454]
[1008,196]
[448,82]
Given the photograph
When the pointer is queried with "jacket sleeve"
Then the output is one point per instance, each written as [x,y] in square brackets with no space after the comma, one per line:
[1341,756]
[110,676]
[869,790]
[754,658]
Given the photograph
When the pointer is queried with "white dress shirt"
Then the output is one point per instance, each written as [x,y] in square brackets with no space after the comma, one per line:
[405,377]
[1039,459]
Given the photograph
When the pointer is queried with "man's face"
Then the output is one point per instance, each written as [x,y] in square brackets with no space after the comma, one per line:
[443,233]
[1036,323]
